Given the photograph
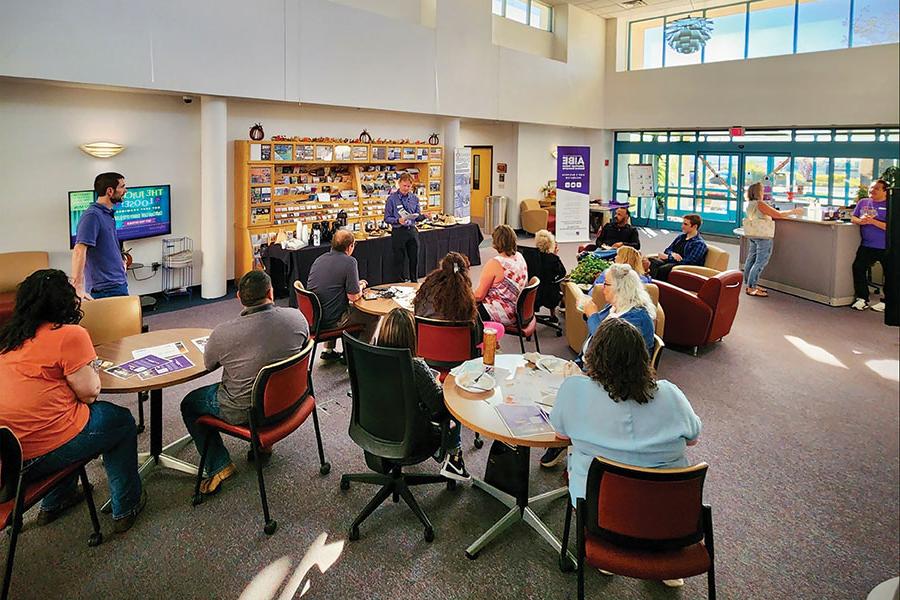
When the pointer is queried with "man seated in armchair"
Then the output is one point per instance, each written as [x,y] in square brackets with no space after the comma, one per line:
[689,248]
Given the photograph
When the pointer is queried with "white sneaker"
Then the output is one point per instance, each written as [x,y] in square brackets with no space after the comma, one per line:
[673,582]
[860,304]
[607,573]
[878,307]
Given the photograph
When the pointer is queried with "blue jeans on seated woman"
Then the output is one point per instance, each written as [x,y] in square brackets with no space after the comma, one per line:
[199,402]
[110,431]
[759,250]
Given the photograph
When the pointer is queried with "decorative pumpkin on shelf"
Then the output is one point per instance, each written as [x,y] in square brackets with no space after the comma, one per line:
[257,133]
[434,140]
[364,137]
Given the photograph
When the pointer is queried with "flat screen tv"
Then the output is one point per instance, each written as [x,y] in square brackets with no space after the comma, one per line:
[145,211]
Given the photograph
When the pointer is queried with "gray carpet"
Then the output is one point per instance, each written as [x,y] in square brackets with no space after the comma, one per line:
[803,482]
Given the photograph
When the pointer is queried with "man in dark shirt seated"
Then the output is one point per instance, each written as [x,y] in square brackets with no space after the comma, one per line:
[687,249]
[619,232]
[334,279]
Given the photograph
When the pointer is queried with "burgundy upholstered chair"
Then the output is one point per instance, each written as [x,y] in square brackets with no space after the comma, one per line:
[446,344]
[526,322]
[17,496]
[699,310]
[643,523]
[308,303]
[280,402]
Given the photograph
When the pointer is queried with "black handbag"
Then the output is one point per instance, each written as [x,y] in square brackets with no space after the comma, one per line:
[507,469]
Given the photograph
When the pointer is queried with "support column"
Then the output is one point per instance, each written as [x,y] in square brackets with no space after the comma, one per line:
[450,141]
[213,196]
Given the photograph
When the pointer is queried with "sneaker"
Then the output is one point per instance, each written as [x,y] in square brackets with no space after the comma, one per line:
[330,355]
[878,307]
[673,582]
[607,573]
[45,517]
[552,457]
[455,468]
[860,304]
[124,524]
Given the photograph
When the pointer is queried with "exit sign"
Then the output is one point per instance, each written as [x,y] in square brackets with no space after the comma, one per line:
[736,131]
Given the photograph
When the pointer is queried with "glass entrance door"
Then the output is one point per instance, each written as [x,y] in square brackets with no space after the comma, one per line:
[717,191]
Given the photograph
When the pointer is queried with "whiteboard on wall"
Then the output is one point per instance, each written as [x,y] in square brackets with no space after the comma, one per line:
[641,182]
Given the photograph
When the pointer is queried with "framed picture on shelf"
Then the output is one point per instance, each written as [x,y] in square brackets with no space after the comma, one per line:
[435,153]
[409,154]
[434,171]
[260,195]
[393,153]
[342,152]
[265,151]
[434,186]
[260,215]
[421,153]
[434,200]
[305,152]
[379,153]
[324,152]
[283,151]
[359,153]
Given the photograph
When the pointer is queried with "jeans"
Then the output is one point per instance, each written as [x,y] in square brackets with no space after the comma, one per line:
[759,250]
[865,258]
[118,290]
[110,431]
[199,402]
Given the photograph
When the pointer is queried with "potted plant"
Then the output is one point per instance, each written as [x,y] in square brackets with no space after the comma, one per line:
[892,176]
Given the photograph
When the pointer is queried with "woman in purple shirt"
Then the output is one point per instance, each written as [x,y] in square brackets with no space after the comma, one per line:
[871,216]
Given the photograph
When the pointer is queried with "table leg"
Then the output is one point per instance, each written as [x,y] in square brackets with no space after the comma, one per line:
[513,516]
[156,422]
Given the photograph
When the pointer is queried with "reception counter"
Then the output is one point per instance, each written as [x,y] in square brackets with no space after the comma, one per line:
[811,259]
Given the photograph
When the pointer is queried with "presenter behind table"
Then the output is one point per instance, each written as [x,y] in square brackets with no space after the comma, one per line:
[98,268]
[401,211]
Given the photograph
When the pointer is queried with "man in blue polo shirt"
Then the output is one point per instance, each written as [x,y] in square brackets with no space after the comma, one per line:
[401,211]
[98,270]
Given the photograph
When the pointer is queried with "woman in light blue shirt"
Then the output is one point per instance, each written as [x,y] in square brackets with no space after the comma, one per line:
[619,411]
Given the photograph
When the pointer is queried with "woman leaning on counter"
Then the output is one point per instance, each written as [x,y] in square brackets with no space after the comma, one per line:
[759,229]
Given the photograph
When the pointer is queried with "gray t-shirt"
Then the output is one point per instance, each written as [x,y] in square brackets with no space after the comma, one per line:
[332,276]
[260,336]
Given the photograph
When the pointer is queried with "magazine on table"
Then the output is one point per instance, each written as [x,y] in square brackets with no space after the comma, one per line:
[524,420]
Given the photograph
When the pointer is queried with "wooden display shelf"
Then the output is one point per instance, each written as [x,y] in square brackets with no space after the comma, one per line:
[265,165]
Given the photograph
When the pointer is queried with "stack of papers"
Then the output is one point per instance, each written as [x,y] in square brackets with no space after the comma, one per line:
[404,296]
[524,421]
[149,366]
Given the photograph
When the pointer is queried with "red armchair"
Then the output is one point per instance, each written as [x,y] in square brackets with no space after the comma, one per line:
[699,310]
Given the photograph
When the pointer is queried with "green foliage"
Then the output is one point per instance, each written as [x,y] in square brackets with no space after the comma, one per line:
[588,268]
[862,192]
[892,176]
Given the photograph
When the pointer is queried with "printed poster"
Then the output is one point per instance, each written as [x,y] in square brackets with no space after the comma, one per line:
[573,166]
[462,183]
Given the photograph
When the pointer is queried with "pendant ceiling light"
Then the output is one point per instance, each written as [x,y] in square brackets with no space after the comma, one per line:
[689,34]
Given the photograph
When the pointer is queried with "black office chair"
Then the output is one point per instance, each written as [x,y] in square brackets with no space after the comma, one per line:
[387,423]
[551,272]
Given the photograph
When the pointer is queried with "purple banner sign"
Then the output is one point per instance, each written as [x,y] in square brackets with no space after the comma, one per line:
[573,169]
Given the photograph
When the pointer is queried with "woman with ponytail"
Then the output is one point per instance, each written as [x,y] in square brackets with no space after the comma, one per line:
[446,292]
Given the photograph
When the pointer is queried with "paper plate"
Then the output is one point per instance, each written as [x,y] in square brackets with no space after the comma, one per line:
[550,364]
[484,383]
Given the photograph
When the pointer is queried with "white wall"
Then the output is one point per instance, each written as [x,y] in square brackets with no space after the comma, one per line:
[515,35]
[411,56]
[42,126]
[503,138]
[857,86]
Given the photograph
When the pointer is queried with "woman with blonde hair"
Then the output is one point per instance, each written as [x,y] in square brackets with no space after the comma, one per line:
[626,255]
[502,279]
[398,330]
[759,229]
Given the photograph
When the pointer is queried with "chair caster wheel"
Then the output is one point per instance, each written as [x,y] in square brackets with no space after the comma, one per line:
[471,556]
[354,534]
[559,334]
[345,484]
[140,429]
[479,443]
[95,540]
[270,527]
[429,535]
[325,469]
[451,485]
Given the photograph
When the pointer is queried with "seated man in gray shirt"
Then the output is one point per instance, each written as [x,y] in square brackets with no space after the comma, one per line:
[334,279]
[262,334]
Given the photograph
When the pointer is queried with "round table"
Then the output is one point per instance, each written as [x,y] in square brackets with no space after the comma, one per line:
[381,306]
[476,411]
[119,352]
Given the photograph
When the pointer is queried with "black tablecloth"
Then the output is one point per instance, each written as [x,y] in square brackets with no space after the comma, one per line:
[374,256]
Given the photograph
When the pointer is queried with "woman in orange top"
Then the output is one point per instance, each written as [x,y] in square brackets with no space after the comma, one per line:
[48,390]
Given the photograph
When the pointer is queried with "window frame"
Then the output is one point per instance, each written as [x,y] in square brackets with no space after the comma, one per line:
[528,5]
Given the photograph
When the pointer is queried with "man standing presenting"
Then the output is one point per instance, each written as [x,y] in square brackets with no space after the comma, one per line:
[261,335]
[401,211]
[871,216]
[619,232]
[98,270]
[334,279]
[687,249]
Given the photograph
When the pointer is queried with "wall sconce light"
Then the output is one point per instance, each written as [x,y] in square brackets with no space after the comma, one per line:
[102,149]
